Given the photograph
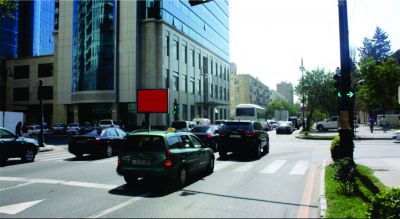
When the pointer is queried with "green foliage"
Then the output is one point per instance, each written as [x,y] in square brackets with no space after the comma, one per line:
[335,148]
[346,173]
[371,94]
[319,94]
[385,204]
[378,47]
[7,8]
[293,109]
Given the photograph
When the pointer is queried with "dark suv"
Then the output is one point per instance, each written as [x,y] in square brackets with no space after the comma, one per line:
[159,154]
[243,136]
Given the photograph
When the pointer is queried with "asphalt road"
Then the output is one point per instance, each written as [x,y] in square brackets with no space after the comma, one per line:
[282,184]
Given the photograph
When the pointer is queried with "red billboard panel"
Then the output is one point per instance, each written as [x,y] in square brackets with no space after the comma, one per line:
[152,100]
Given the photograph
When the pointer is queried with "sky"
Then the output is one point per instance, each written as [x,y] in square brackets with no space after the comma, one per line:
[268,38]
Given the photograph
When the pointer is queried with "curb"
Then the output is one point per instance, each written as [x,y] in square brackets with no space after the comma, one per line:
[322,198]
[46,148]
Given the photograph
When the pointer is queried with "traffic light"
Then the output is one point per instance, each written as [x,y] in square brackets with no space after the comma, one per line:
[336,84]
[176,110]
[197,2]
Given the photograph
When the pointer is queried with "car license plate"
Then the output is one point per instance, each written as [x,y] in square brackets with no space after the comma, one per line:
[235,136]
[141,162]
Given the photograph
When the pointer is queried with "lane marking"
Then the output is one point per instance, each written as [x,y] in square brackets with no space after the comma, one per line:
[89,185]
[273,167]
[244,168]
[221,166]
[61,157]
[51,155]
[116,207]
[5,178]
[19,185]
[300,168]
[307,195]
[16,208]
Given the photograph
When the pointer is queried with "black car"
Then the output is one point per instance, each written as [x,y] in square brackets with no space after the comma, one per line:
[208,134]
[14,146]
[97,141]
[243,136]
[59,128]
[284,127]
[295,121]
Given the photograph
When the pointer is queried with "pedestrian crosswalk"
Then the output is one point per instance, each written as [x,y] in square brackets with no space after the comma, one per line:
[263,166]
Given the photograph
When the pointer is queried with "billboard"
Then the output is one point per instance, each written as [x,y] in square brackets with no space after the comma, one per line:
[152,100]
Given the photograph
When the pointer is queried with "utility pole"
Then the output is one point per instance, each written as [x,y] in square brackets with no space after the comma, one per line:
[40,94]
[302,99]
[345,106]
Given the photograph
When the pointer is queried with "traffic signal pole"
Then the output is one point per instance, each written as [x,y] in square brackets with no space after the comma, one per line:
[345,106]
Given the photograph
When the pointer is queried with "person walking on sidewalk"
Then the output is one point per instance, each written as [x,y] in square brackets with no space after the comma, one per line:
[371,124]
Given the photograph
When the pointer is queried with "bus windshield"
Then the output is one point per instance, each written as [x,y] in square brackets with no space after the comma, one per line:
[245,112]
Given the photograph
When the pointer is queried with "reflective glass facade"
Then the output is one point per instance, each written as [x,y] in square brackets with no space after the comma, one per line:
[9,36]
[30,33]
[93,45]
[208,23]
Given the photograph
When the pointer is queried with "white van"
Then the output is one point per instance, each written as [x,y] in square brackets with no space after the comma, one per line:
[393,120]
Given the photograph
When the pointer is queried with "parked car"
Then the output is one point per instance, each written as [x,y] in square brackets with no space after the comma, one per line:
[73,128]
[208,134]
[59,128]
[201,121]
[330,123]
[243,136]
[220,122]
[396,136]
[183,126]
[105,142]
[160,154]
[284,127]
[13,146]
[108,123]
[272,123]
[35,130]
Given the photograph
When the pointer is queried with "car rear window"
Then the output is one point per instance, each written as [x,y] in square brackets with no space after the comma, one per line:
[144,143]
[106,122]
[200,129]
[230,126]
[179,125]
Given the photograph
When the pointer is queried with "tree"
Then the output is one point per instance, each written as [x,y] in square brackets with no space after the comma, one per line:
[319,94]
[380,83]
[378,47]
[7,8]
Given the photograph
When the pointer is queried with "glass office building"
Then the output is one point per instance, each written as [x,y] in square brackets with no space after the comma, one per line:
[30,33]
[93,45]
[208,23]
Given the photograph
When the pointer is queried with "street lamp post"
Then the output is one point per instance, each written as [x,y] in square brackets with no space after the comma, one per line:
[40,93]
[302,69]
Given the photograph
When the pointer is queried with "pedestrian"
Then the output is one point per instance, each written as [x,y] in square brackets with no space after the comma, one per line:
[18,129]
[24,130]
[384,123]
[371,124]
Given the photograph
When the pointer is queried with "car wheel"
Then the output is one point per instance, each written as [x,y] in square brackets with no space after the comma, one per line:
[109,151]
[29,155]
[210,168]
[266,148]
[258,151]
[181,177]
[320,128]
[222,154]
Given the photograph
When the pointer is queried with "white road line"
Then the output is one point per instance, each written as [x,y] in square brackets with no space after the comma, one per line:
[58,158]
[221,166]
[116,207]
[19,185]
[300,168]
[89,185]
[20,179]
[244,168]
[51,155]
[273,167]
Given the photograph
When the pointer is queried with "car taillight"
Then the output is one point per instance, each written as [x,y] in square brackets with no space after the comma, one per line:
[96,140]
[250,134]
[168,162]
[119,161]
[209,136]
[221,133]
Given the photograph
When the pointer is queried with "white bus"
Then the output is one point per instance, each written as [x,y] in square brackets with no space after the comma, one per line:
[250,112]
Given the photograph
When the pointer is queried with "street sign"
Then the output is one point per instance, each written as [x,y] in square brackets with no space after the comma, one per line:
[152,100]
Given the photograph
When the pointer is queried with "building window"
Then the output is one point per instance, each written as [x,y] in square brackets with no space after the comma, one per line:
[199,87]
[45,70]
[192,113]
[224,93]
[167,42]
[47,92]
[184,111]
[220,93]
[192,85]
[21,72]
[216,69]
[199,61]
[185,53]
[193,58]
[212,91]
[176,81]
[175,49]
[199,113]
[216,91]
[167,78]
[185,87]
[21,94]
[211,66]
